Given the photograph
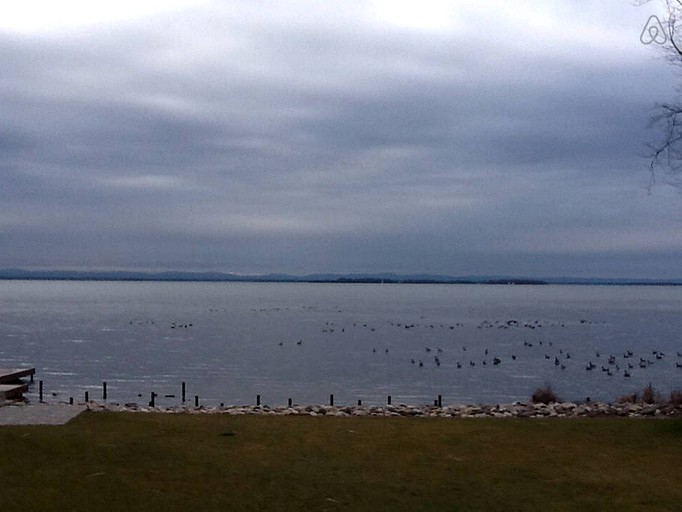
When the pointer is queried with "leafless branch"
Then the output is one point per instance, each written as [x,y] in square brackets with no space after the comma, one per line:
[666,154]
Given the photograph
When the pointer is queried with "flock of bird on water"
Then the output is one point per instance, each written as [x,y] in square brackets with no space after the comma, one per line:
[451,353]
[609,364]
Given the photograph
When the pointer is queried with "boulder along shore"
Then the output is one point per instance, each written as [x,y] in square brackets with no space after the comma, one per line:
[515,410]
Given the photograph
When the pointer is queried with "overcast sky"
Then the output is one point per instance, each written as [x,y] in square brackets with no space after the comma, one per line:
[430,136]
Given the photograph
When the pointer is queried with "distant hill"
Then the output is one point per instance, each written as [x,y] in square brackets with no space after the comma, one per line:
[76,275]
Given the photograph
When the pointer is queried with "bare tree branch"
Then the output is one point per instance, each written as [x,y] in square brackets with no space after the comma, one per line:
[666,154]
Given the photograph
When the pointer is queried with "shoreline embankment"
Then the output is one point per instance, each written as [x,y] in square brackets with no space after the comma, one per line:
[515,410]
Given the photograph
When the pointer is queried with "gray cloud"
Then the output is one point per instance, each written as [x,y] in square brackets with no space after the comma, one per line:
[310,137]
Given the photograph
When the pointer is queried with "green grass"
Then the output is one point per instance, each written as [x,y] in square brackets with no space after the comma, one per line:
[118,461]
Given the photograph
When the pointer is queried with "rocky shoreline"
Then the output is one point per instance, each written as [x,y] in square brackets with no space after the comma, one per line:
[515,410]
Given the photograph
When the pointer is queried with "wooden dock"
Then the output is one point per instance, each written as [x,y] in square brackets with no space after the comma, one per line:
[11,385]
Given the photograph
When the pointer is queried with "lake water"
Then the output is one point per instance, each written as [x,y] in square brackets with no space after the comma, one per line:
[232,341]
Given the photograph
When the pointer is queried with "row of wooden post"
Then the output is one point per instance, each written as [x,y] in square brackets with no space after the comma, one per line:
[152,402]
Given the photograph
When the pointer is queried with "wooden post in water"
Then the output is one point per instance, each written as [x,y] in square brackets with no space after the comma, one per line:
[152,402]
[359,403]
[70,400]
[184,389]
[257,400]
[196,400]
[104,390]
[331,400]
[440,401]
[290,402]
[40,391]
[87,397]
[389,399]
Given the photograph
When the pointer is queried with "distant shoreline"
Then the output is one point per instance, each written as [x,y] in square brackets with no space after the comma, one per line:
[59,275]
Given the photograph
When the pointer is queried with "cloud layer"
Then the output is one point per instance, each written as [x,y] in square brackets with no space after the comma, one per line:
[335,137]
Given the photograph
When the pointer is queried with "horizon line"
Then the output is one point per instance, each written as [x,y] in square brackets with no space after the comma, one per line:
[17,273]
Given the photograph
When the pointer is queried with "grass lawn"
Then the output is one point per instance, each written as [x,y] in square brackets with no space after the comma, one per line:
[122,461]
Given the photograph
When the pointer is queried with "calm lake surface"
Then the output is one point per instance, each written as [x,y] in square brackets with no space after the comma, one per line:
[232,341]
